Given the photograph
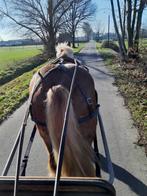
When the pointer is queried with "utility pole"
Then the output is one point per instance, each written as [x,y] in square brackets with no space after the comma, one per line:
[108,29]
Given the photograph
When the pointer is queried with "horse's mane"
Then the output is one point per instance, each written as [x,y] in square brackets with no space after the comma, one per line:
[63,49]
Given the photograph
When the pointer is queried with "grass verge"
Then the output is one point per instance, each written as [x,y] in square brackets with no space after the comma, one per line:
[15,70]
[131,80]
[79,48]
[15,60]
[17,64]
[15,92]
[9,56]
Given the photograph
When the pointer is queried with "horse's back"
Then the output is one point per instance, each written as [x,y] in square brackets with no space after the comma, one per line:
[83,91]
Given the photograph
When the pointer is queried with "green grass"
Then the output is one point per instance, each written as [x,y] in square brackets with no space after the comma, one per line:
[14,61]
[131,81]
[106,53]
[9,56]
[15,92]
[79,48]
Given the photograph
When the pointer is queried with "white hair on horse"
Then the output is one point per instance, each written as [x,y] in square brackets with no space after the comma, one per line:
[63,49]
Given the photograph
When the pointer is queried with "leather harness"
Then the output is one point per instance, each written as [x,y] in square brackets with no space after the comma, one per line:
[59,62]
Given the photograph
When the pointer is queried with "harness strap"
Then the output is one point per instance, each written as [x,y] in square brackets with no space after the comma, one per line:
[89,116]
[64,59]
[88,100]
[41,123]
[80,120]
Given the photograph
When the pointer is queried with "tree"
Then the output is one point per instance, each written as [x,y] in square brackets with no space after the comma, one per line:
[99,29]
[80,11]
[42,18]
[130,22]
[142,5]
[120,38]
[87,30]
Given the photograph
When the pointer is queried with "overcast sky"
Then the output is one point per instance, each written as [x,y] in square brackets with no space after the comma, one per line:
[101,19]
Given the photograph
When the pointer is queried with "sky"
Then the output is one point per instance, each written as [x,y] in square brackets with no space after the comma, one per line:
[7,32]
[104,9]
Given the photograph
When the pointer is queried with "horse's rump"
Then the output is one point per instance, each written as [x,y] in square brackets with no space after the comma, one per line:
[83,100]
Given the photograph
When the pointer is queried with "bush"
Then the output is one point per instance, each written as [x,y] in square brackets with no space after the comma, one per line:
[112,45]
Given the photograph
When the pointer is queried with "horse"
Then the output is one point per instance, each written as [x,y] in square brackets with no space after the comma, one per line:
[48,108]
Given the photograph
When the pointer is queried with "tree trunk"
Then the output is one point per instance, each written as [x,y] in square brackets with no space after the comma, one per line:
[124,23]
[49,46]
[134,16]
[120,16]
[120,41]
[121,26]
[129,22]
[138,25]
[73,38]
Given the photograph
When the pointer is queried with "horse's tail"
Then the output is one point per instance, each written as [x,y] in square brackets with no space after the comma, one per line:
[78,154]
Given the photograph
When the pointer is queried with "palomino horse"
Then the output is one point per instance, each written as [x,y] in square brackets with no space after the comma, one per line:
[48,108]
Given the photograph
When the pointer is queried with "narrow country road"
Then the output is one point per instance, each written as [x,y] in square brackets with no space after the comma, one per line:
[129,161]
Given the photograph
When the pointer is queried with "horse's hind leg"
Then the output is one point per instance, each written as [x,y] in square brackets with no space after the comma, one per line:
[45,136]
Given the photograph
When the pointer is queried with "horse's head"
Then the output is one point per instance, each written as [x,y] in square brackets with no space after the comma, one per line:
[63,49]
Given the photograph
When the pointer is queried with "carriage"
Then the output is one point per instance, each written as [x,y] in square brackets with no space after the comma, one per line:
[22,185]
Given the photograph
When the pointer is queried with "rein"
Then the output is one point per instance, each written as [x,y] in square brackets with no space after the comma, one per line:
[63,135]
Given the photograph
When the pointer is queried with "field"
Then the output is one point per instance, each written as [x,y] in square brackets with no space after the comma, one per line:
[13,61]
[14,91]
[9,56]
[12,55]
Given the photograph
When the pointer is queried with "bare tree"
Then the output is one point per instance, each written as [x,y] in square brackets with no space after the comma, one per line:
[43,18]
[130,22]
[116,26]
[99,29]
[80,11]
[142,5]
[87,30]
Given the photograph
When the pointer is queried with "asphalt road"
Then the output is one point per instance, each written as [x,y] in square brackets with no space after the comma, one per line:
[129,161]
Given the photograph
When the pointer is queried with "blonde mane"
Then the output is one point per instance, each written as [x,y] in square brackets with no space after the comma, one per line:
[63,49]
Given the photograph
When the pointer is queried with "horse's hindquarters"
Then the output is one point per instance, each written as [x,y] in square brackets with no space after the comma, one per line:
[48,108]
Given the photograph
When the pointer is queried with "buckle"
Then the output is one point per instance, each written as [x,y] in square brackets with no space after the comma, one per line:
[89,101]
[61,61]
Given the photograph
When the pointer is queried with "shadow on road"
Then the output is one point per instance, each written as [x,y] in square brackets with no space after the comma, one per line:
[93,58]
[89,56]
[126,177]
[99,70]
